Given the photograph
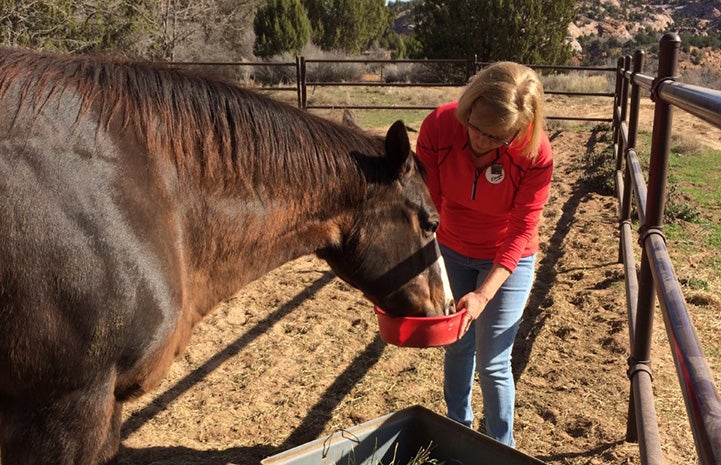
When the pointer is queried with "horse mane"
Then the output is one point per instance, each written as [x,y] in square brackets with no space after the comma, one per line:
[211,128]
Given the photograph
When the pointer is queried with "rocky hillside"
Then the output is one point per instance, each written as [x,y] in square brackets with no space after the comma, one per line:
[607,29]
[624,20]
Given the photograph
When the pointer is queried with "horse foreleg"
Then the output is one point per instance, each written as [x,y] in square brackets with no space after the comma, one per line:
[108,454]
[80,427]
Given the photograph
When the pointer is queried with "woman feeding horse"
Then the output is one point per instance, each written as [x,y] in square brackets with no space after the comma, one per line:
[489,166]
[136,197]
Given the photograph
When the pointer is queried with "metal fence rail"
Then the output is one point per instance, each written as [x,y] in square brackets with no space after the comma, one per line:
[468,66]
[657,278]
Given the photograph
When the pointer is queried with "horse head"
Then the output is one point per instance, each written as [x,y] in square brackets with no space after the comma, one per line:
[389,250]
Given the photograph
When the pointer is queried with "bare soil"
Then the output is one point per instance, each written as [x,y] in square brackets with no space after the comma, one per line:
[296,355]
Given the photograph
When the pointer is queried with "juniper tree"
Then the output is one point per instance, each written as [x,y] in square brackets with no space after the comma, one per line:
[280,26]
[349,26]
[526,31]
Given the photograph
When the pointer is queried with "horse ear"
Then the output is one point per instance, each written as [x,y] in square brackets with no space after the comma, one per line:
[348,119]
[398,147]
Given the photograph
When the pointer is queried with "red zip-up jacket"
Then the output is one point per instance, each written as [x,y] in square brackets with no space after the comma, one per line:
[500,222]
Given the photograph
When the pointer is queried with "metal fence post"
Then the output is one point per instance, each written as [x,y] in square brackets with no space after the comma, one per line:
[640,360]
[638,62]
[298,80]
[622,109]
[302,88]
[632,134]
[625,230]
[616,106]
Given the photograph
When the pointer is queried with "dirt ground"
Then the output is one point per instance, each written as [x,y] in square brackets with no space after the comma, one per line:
[296,355]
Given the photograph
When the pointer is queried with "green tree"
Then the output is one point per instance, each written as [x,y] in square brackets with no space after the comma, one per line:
[526,31]
[316,10]
[73,26]
[280,26]
[350,26]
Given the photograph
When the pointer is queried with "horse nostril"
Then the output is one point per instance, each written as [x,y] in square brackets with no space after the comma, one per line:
[433,226]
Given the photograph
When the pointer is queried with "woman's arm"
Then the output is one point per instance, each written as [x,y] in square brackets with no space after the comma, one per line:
[529,202]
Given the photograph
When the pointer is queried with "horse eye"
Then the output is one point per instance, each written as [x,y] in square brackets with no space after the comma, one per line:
[429,221]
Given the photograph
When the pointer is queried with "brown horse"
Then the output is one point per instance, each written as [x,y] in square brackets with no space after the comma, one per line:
[135,197]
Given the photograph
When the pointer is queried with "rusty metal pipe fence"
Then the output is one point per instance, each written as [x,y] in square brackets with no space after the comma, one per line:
[468,68]
[656,278]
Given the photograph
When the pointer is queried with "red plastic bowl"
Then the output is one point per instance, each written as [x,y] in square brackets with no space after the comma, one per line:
[412,331]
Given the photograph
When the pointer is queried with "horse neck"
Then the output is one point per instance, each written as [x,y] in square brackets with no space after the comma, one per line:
[232,241]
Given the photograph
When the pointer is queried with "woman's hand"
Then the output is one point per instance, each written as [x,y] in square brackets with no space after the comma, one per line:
[474,303]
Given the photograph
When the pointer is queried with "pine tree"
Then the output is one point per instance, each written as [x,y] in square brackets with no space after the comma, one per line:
[526,31]
[349,26]
[280,26]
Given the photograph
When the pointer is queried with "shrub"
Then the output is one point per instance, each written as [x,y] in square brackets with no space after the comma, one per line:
[577,81]
[704,76]
[686,144]
[402,72]
[320,72]
[678,206]
[600,165]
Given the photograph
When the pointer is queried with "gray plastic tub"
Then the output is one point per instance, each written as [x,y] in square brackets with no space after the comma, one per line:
[397,438]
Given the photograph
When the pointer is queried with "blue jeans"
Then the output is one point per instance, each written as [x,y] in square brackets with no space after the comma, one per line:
[487,345]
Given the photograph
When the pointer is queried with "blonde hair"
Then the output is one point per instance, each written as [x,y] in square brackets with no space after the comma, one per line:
[511,96]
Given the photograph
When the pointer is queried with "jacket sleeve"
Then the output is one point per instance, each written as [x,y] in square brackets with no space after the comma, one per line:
[427,152]
[532,194]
